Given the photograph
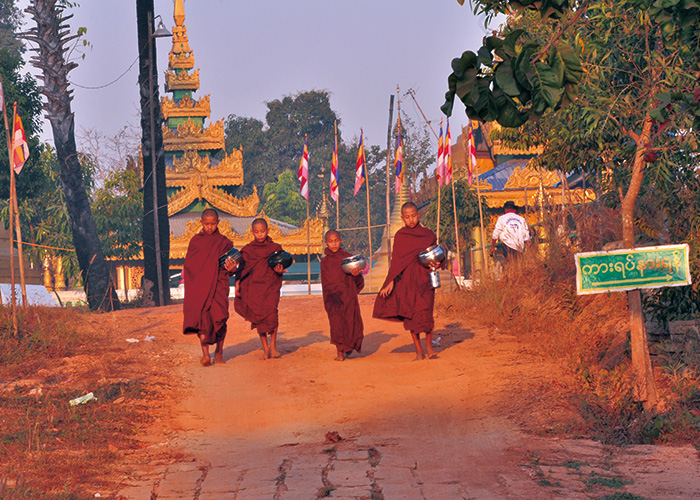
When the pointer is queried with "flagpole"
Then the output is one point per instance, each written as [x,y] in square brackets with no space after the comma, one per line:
[20,250]
[369,224]
[388,180]
[447,167]
[484,264]
[438,178]
[337,167]
[308,246]
[18,227]
[11,224]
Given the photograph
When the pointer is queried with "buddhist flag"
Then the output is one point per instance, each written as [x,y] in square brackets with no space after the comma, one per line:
[360,174]
[448,154]
[440,171]
[471,156]
[20,149]
[334,171]
[304,172]
[398,161]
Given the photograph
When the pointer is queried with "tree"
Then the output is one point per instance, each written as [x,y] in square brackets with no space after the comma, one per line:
[152,139]
[51,36]
[283,200]
[275,146]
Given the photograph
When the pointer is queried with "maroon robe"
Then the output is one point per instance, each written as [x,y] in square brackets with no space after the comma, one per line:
[413,298]
[206,287]
[258,294]
[340,301]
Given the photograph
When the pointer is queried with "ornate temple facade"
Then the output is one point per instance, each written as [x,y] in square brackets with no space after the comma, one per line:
[199,172]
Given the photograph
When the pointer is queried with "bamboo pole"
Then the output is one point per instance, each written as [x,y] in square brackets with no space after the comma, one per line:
[337,168]
[369,223]
[20,250]
[454,206]
[13,293]
[308,246]
[485,266]
[18,228]
[388,180]
[438,179]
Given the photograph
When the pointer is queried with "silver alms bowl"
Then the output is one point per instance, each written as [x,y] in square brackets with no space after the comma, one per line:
[354,262]
[434,253]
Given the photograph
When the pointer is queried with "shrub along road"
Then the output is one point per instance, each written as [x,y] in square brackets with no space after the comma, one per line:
[459,426]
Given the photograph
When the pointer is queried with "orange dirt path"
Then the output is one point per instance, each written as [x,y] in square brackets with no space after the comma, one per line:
[434,429]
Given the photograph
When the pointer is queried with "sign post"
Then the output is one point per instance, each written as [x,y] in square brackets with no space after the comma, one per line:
[631,269]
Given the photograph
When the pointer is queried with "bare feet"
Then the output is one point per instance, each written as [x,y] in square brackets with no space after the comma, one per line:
[430,354]
[205,360]
[419,357]
[219,359]
[274,353]
[340,356]
[266,354]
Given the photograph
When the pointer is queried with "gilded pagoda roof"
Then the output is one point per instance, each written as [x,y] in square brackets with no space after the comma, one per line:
[185,107]
[190,135]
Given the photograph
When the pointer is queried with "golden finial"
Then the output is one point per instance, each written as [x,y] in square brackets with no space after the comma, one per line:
[179,14]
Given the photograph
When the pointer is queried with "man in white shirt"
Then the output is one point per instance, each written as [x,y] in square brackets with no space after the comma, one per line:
[512,230]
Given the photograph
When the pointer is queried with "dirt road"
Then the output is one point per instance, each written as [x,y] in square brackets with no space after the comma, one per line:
[437,429]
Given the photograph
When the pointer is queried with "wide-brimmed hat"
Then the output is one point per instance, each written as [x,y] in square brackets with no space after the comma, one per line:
[509,205]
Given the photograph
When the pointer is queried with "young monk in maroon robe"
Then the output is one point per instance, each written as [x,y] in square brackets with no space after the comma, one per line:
[406,294]
[258,288]
[206,287]
[340,298]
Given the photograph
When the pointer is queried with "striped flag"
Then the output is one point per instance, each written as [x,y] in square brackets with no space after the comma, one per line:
[2,95]
[448,154]
[334,171]
[360,174]
[471,155]
[398,161]
[304,172]
[440,171]
[20,149]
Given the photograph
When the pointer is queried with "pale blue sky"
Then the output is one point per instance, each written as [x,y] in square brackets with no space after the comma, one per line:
[254,51]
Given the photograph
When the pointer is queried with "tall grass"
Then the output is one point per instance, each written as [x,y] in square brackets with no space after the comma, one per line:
[534,299]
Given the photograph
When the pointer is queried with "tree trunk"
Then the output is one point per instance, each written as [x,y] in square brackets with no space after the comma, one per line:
[51,35]
[149,96]
[644,375]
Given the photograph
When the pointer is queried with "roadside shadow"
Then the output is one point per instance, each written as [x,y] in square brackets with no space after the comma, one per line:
[288,346]
[373,341]
[242,348]
[443,338]
[450,335]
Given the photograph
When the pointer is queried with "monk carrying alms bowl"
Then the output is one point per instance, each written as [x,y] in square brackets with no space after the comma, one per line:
[432,255]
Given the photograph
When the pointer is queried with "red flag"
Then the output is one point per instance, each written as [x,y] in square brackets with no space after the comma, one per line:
[304,172]
[398,161]
[471,155]
[2,95]
[448,154]
[440,171]
[360,174]
[334,171]
[20,149]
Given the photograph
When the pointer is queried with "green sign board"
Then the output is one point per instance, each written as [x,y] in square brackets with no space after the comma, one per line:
[620,270]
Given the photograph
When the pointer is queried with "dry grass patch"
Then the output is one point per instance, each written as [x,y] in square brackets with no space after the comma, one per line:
[49,449]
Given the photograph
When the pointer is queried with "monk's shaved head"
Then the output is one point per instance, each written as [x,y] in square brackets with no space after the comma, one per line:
[407,205]
[259,222]
[332,232]
[210,212]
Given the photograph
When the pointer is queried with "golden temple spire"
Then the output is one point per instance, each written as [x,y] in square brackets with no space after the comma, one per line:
[179,14]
